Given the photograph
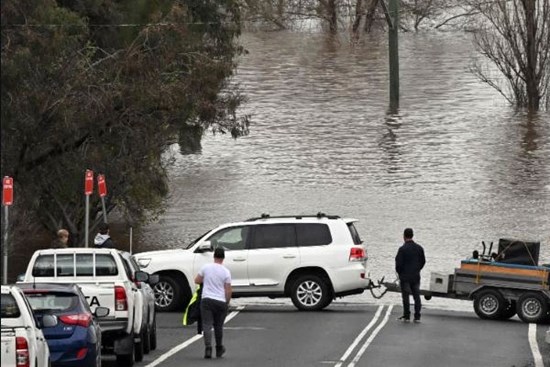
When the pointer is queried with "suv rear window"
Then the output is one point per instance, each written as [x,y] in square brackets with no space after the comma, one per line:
[354,234]
[9,307]
[313,234]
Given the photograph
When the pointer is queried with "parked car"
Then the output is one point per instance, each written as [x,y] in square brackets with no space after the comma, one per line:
[105,279]
[76,339]
[150,320]
[310,258]
[23,343]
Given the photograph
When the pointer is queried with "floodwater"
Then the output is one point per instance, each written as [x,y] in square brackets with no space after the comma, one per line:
[456,163]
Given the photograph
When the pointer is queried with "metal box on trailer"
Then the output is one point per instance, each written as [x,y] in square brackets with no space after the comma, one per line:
[440,282]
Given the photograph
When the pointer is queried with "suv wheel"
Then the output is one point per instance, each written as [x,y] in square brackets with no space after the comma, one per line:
[168,294]
[310,293]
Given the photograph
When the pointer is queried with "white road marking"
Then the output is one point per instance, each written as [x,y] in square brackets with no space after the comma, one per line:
[371,337]
[534,345]
[188,342]
[360,336]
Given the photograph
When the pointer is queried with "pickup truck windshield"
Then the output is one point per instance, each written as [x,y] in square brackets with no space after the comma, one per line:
[9,307]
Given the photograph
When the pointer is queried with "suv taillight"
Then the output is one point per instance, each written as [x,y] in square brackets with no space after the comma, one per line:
[121,304]
[82,319]
[357,254]
[22,352]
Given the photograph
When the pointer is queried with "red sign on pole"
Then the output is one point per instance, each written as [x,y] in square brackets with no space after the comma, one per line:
[101,185]
[89,182]
[7,192]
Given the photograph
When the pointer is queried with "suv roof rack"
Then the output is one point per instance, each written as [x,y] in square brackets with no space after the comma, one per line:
[318,215]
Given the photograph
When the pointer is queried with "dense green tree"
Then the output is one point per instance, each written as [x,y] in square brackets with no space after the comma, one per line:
[108,85]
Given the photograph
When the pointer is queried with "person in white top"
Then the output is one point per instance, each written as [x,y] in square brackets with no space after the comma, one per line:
[216,294]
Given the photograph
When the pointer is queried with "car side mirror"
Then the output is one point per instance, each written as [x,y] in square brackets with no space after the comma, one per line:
[48,321]
[101,311]
[141,276]
[153,279]
[20,277]
[206,246]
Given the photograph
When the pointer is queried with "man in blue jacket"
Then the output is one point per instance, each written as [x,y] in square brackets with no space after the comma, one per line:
[408,263]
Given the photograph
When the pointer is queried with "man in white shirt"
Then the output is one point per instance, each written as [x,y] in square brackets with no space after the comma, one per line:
[216,294]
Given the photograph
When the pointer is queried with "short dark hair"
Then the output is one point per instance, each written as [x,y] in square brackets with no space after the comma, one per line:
[103,228]
[408,233]
[219,253]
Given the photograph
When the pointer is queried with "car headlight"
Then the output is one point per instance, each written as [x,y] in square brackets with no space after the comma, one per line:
[144,262]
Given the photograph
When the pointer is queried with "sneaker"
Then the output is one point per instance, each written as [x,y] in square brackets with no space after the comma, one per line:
[404,319]
[417,321]
[220,351]
[208,352]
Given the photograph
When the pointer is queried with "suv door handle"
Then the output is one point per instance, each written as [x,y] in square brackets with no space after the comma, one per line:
[239,259]
[289,256]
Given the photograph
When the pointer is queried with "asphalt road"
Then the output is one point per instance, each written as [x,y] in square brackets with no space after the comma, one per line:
[352,335]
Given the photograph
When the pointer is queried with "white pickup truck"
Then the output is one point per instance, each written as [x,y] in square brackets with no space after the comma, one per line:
[106,280]
[23,343]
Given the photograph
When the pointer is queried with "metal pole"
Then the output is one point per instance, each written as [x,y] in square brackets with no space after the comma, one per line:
[5,247]
[87,221]
[131,236]
[104,211]
[394,55]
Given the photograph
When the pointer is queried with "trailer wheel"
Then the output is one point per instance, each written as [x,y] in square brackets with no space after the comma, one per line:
[532,307]
[509,311]
[489,304]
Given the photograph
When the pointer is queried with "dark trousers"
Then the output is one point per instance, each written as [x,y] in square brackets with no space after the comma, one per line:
[408,288]
[213,314]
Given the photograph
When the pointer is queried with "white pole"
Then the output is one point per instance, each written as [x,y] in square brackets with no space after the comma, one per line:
[131,235]
[87,221]
[5,247]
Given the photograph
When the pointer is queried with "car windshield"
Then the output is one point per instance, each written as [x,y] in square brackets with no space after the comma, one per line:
[196,240]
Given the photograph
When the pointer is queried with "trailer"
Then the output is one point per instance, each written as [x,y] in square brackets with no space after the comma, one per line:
[500,284]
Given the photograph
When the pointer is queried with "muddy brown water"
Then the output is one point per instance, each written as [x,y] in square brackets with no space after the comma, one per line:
[456,162]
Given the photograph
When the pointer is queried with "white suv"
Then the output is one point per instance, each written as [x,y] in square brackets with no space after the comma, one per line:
[310,258]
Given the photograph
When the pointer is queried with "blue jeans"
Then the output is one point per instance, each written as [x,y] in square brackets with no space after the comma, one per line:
[408,288]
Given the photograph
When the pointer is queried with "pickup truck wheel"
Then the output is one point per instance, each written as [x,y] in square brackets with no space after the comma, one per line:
[310,293]
[168,294]
[138,348]
[532,308]
[126,360]
[489,304]
[154,335]
[147,340]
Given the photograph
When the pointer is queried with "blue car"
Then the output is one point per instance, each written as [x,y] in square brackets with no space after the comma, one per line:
[76,340]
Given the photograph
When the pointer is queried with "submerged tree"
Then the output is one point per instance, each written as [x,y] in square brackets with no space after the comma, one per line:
[109,85]
[516,39]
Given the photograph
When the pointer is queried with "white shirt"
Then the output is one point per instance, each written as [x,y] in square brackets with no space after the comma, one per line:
[215,277]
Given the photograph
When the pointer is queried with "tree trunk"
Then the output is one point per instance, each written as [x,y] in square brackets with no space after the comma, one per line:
[531,79]
[358,16]
[332,16]
[371,12]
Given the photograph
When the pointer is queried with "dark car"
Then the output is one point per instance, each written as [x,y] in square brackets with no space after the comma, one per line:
[76,340]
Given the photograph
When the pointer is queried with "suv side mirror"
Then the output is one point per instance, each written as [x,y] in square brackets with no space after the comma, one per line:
[48,321]
[141,276]
[206,246]
[101,311]
[153,279]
